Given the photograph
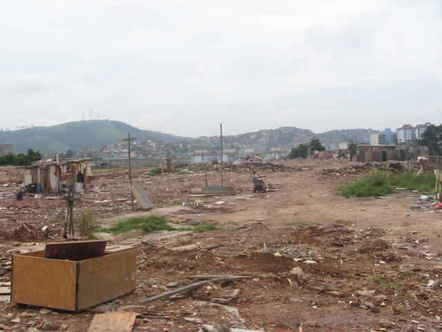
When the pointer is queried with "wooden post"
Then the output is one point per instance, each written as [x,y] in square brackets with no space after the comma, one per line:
[129,140]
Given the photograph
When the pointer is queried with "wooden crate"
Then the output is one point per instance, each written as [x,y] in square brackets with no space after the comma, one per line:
[72,285]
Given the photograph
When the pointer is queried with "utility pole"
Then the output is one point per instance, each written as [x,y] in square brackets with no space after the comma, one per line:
[222,152]
[129,140]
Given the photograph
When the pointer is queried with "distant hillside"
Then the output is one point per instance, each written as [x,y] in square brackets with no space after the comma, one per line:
[261,140]
[78,135]
[334,137]
[285,138]
[95,134]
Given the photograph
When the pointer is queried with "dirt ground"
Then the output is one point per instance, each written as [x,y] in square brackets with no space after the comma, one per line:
[314,261]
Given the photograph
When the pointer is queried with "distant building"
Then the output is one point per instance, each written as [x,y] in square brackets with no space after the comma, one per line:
[375,139]
[368,153]
[343,146]
[387,137]
[275,154]
[6,149]
[409,134]
[406,134]
[200,157]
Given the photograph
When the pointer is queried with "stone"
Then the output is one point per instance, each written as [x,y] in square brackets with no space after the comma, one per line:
[366,292]
[172,285]
[297,271]
[103,236]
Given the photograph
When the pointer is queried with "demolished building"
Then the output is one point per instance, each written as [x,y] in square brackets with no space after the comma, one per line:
[53,177]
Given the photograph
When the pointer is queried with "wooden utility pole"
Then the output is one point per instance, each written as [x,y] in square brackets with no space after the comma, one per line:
[221,139]
[129,140]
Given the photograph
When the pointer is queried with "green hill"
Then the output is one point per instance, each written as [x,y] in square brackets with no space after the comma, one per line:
[93,134]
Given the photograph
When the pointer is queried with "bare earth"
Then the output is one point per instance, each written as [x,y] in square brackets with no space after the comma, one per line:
[314,259]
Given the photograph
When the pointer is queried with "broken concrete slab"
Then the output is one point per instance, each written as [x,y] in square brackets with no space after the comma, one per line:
[5,291]
[218,190]
[103,236]
[113,321]
[142,197]
[5,299]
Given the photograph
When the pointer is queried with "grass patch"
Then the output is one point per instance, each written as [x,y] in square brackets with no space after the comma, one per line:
[409,180]
[383,183]
[152,224]
[147,224]
[155,171]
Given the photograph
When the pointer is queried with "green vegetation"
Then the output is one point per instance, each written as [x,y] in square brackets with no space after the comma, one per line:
[353,150]
[20,159]
[155,171]
[385,283]
[432,139]
[303,150]
[383,183]
[152,224]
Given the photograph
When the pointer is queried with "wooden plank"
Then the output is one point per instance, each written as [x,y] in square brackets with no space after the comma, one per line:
[113,321]
[75,250]
[105,278]
[44,282]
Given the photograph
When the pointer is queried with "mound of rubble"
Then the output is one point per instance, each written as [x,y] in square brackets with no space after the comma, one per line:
[363,168]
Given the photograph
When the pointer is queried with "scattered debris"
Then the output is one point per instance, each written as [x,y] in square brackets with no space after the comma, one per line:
[191,287]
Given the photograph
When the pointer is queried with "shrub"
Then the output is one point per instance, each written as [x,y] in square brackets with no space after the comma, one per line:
[155,171]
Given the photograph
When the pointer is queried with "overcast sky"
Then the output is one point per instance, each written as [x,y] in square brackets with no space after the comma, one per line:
[182,66]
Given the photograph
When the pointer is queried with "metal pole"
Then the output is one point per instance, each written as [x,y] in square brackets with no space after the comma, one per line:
[222,153]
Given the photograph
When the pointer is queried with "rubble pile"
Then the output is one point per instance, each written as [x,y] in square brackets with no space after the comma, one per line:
[357,169]
[241,167]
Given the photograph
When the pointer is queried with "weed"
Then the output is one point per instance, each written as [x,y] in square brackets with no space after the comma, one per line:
[152,224]
[383,183]
[385,283]
[155,171]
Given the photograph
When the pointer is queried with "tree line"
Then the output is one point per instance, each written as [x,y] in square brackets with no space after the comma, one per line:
[20,159]
[307,149]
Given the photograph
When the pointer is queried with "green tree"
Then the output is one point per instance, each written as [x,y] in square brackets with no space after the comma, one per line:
[316,145]
[301,151]
[432,139]
[353,150]
[20,159]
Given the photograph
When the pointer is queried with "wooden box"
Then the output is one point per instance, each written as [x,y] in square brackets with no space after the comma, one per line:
[72,285]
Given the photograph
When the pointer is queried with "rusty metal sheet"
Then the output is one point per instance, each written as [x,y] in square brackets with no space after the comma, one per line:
[75,250]
[105,278]
[44,282]
[113,321]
